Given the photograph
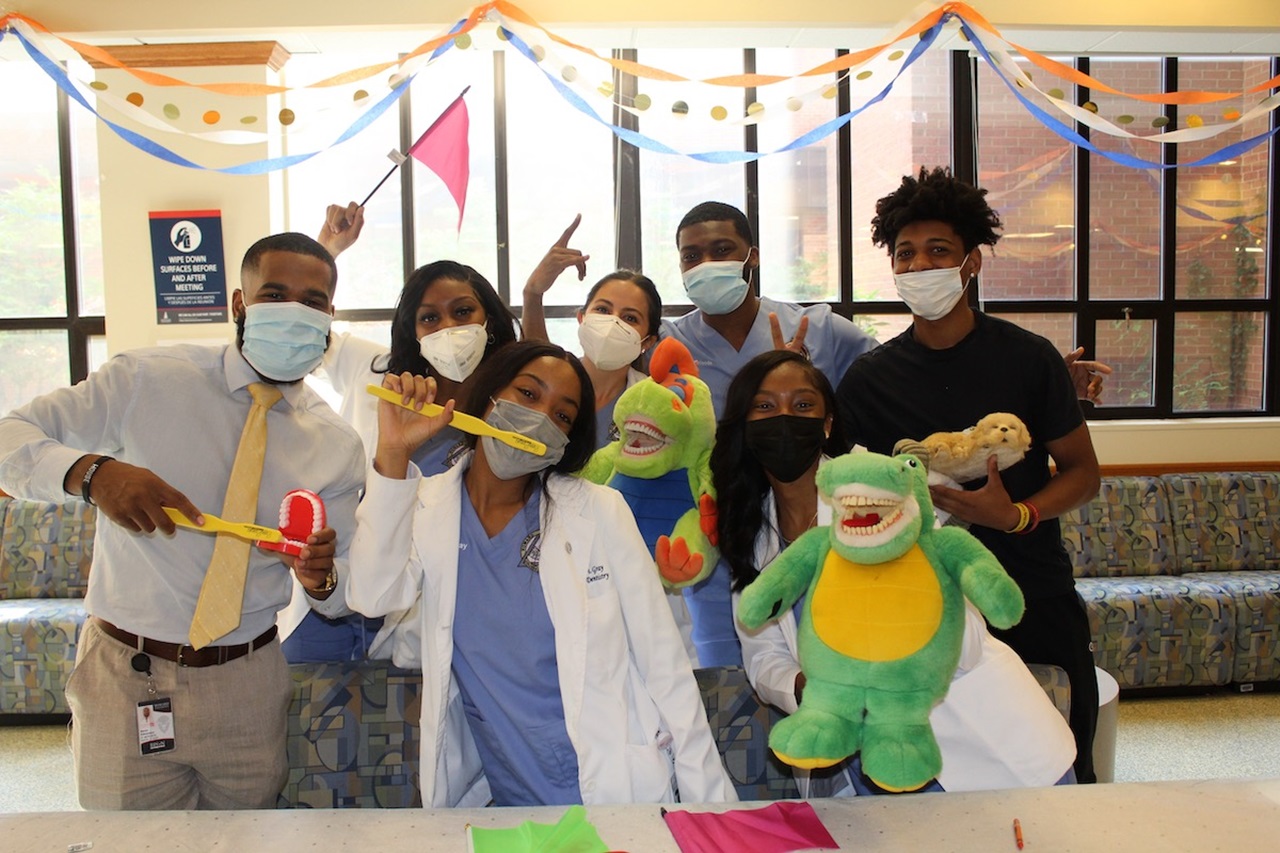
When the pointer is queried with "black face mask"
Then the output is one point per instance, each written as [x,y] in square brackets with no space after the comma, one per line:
[786,445]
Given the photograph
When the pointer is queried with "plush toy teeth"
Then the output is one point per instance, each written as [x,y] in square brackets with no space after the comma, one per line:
[301,514]
[642,437]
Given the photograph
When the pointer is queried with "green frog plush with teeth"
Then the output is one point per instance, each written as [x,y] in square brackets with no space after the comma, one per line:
[883,619]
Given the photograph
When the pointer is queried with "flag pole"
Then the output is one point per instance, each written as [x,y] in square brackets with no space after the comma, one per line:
[404,155]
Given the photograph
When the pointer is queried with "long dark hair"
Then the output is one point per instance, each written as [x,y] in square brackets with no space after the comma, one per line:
[739,478]
[496,372]
[406,354]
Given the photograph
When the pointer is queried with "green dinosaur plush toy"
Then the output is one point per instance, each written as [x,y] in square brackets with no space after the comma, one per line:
[662,464]
[883,619]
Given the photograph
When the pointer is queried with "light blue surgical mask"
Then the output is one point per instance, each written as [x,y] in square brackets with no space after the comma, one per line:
[284,341]
[510,463]
[717,287]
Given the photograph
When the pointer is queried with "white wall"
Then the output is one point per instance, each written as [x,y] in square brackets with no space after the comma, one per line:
[134,183]
[1216,441]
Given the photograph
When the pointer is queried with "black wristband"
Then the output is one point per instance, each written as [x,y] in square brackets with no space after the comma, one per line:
[88,477]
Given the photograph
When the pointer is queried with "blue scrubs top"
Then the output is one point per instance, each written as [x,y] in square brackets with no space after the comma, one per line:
[833,343]
[440,452]
[504,660]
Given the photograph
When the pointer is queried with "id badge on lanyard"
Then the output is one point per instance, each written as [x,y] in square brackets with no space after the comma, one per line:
[155,714]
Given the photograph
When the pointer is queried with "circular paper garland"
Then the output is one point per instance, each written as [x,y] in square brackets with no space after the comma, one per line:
[996,58]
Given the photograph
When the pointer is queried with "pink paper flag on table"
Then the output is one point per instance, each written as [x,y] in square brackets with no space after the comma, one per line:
[776,828]
[444,149]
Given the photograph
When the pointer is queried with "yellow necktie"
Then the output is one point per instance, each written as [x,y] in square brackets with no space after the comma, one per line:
[222,593]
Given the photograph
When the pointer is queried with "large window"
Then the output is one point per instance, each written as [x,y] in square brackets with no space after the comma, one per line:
[1165,273]
[1160,272]
[51,300]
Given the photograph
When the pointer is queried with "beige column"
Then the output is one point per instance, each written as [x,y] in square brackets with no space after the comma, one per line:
[134,183]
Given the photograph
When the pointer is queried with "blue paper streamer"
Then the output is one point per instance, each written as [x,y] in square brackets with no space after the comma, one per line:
[640,140]
[1228,152]
[648,143]
[255,167]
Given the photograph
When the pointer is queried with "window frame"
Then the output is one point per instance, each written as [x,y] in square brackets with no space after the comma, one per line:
[77,327]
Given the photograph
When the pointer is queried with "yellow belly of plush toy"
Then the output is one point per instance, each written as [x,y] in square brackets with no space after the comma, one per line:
[879,612]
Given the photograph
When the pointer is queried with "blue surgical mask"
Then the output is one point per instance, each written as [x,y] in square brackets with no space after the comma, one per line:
[717,287]
[284,341]
[510,463]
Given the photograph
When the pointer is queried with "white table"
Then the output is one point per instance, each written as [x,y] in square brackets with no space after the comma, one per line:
[1231,816]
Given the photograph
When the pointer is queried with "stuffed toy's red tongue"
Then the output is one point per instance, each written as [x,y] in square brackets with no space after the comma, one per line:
[871,519]
[301,514]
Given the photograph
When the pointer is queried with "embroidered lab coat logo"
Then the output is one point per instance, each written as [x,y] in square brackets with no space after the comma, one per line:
[596,573]
[531,551]
[455,453]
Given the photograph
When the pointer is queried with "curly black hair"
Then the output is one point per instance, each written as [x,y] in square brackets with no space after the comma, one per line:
[936,195]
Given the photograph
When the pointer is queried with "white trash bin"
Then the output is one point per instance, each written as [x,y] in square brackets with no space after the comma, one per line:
[1104,738]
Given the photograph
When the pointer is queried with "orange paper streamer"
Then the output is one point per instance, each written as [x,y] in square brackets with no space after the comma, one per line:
[509,12]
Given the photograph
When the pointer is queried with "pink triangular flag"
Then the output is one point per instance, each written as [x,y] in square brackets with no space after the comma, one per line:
[780,827]
[445,150]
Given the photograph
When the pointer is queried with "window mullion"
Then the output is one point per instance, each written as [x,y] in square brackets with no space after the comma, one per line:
[409,249]
[626,172]
[501,199]
[844,182]
[1271,381]
[751,168]
[1086,316]
[77,342]
[1166,314]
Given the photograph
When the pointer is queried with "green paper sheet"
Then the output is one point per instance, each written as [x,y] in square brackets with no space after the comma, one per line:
[573,833]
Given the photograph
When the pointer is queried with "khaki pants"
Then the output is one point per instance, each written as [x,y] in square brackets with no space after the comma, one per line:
[229,726]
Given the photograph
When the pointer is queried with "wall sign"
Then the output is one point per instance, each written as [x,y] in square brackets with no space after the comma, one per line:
[190,271]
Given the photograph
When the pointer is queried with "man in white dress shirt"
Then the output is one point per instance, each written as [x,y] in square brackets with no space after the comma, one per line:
[156,723]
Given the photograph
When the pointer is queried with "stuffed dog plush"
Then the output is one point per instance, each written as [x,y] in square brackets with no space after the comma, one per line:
[962,456]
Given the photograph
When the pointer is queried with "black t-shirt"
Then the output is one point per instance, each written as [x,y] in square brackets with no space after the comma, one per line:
[902,389]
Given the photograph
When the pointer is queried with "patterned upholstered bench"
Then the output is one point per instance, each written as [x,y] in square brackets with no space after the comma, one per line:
[45,551]
[353,734]
[1226,533]
[1181,577]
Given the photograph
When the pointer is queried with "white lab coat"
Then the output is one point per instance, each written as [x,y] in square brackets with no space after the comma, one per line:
[341,379]
[632,707]
[996,728]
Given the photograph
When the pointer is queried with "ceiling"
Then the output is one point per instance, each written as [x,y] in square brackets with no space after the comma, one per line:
[1057,40]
